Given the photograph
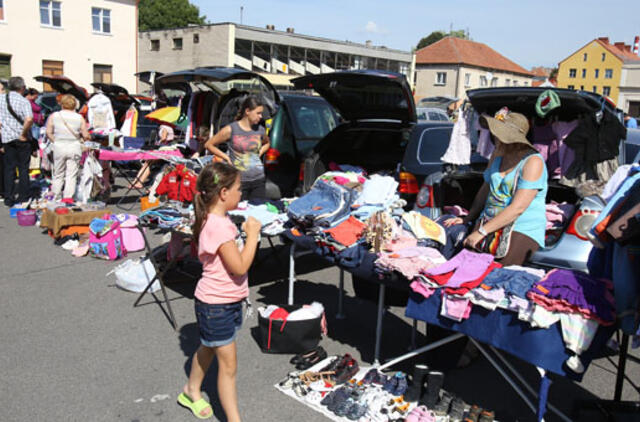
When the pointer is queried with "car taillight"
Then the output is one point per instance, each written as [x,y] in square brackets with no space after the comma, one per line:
[271,158]
[301,173]
[581,223]
[408,183]
[425,197]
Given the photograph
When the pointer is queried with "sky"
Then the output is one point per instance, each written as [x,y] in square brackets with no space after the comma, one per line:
[531,33]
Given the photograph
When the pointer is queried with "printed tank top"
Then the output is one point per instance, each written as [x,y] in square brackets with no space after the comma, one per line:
[244,151]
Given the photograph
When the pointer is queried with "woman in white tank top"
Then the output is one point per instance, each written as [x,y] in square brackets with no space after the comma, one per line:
[68,131]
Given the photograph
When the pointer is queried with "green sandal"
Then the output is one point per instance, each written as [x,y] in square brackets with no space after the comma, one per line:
[196,407]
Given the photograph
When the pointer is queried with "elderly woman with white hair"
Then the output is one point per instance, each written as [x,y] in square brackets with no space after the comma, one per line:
[68,131]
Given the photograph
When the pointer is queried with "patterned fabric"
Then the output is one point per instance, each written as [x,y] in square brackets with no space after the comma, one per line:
[11,129]
[244,151]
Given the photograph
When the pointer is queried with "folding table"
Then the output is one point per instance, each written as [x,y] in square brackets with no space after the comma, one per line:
[499,329]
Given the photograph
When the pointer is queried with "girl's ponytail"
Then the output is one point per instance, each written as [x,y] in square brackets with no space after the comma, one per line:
[212,179]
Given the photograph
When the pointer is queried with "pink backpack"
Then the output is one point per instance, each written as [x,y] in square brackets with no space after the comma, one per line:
[105,239]
[132,238]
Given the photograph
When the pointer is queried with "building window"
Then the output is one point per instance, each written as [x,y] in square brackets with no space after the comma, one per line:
[572,73]
[570,87]
[483,81]
[507,82]
[515,83]
[595,89]
[101,20]
[604,56]
[467,79]
[177,43]
[608,73]
[584,57]
[196,38]
[597,73]
[51,68]
[584,73]
[606,91]
[494,81]
[5,66]
[50,13]
[526,83]
[155,45]
[441,78]
[102,73]
[581,87]
[1,10]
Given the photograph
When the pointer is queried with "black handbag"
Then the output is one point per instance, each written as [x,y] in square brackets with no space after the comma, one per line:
[278,336]
[32,141]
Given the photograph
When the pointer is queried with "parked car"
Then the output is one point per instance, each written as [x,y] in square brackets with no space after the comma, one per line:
[229,85]
[567,249]
[299,124]
[441,102]
[632,146]
[432,114]
[378,114]
[60,85]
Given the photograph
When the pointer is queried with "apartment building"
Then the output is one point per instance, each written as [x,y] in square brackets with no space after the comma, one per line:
[277,55]
[85,40]
[453,65]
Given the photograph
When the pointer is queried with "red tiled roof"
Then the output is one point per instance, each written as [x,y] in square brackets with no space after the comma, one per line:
[541,71]
[620,50]
[452,50]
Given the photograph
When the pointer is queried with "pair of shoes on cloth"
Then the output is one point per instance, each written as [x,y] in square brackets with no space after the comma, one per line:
[306,360]
[477,414]
[421,414]
[196,407]
[397,384]
[431,395]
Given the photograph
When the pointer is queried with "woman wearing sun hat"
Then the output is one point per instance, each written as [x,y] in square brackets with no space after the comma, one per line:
[514,190]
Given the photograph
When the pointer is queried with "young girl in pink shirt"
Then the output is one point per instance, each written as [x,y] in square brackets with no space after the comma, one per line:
[222,288]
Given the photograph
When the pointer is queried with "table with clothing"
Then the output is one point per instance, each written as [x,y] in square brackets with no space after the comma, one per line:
[362,228]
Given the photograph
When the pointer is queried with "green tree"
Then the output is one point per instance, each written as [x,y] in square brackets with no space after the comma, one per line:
[163,14]
[554,73]
[436,36]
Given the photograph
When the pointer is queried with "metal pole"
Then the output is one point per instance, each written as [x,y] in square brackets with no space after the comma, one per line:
[241,10]
[376,355]
[292,272]
[421,350]
[340,314]
[622,363]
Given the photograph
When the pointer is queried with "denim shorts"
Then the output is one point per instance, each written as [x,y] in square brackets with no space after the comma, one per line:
[218,323]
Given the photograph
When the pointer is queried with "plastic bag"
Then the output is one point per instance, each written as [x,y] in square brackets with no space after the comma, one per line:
[135,275]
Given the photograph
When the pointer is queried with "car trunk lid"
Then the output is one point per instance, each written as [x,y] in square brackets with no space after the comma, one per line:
[364,95]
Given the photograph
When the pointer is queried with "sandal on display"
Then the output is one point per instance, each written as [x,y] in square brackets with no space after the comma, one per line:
[487,416]
[305,355]
[474,414]
[345,373]
[196,407]
[318,355]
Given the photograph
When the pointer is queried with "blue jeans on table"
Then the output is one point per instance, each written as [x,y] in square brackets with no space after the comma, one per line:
[513,282]
[325,204]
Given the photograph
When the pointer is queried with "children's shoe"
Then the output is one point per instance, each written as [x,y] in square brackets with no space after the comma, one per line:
[391,384]
[487,416]
[435,380]
[414,391]
[456,410]
[370,376]
[401,385]
[442,408]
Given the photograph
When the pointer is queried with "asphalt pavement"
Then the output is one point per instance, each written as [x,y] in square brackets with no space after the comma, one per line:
[74,348]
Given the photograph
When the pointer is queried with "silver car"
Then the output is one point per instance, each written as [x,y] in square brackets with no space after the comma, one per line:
[431,114]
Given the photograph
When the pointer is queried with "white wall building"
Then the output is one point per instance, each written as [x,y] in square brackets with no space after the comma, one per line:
[84,40]
[278,55]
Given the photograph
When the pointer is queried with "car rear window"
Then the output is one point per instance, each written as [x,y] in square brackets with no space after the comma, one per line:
[313,120]
[433,144]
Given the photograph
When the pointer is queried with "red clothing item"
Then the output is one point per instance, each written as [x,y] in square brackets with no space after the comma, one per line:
[465,287]
[178,185]
[348,232]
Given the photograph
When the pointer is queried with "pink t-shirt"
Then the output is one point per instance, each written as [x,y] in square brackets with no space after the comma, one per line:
[217,285]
